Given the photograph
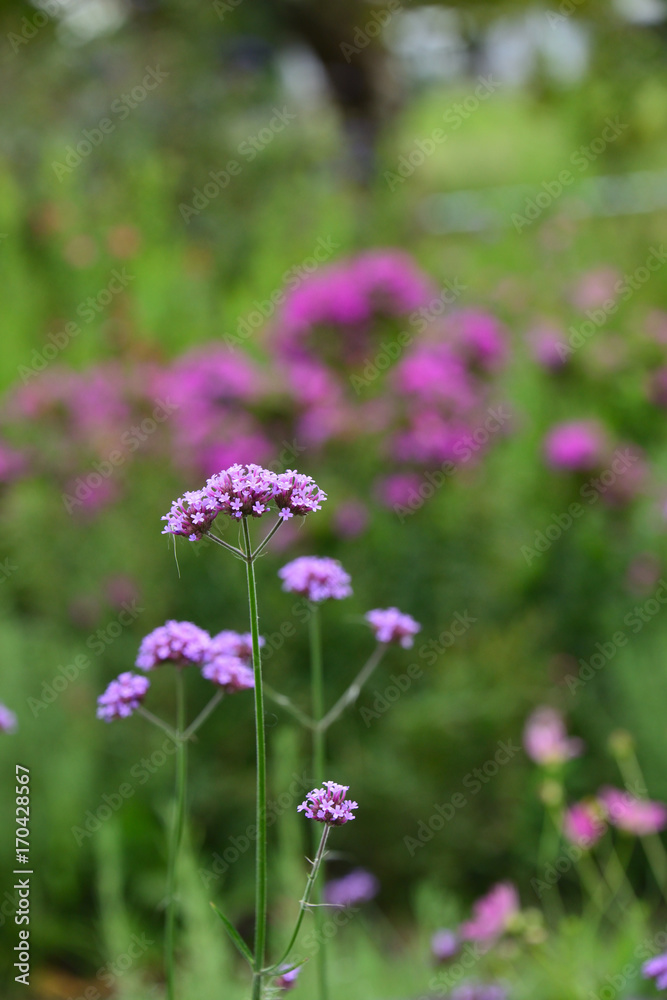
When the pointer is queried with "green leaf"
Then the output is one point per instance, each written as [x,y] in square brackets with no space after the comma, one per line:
[236,937]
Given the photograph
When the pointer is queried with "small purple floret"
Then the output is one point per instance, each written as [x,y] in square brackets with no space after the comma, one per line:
[287,980]
[391,625]
[318,579]
[180,643]
[122,697]
[656,967]
[328,804]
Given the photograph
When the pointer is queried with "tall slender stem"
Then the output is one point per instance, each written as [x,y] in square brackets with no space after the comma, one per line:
[203,715]
[176,837]
[303,906]
[319,759]
[260,737]
[354,690]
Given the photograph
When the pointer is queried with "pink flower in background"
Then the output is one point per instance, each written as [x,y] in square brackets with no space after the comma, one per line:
[317,578]
[358,886]
[287,978]
[433,373]
[228,672]
[492,914]
[12,463]
[122,697]
[583,825]
[180,643]
[632,815]
[545,738]
[595,288]
[657,389]
[391,625]
[444,944]
[479,337]
[398,489]
[548,347]
[351,518]
[8,720]
[579,445]
[656,967]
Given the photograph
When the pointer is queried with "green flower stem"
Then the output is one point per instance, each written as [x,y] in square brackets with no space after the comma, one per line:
[319,759]
[653,847]
[164,726]
[262,545]
[289,706]
[354,689]
[547,851]
[303,905]
[176,836]
[260,735]
[226,545]
[203,715]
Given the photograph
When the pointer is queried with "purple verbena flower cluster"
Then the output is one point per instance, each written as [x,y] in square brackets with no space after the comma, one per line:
[122,697]
[317,578]
[242,491]
[391,625]
[180,643]
[328,804]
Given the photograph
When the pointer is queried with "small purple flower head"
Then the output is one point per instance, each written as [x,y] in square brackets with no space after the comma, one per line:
[656,967]
[328,804]
[242,491]
[180,643]
[228,672]
[545,738]
[238,644]
[317,578]
[548,347]
[122,697]
[391,625]
[287,979]
[444,944]
[583,824]
[8,721]
[578,446]
[492,914]
[640,817]
[359,886]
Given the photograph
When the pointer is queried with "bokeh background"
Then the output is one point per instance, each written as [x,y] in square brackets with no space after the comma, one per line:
[394,247]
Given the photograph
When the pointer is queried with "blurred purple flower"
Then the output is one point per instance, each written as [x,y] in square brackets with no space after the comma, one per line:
[545,738]
[479,991]
[239,644]
[595,287]
[358,886]
[180,643]
[479,337]
[548,348]
[391,625]
[8,720]
[579,445]
[399,488]
[492,914]
[317,578]
[640,817]
[656,967]
[328,804]
[122,697]
[228,672]
[583,825]
[351,518]
[287,979]
[444,944]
